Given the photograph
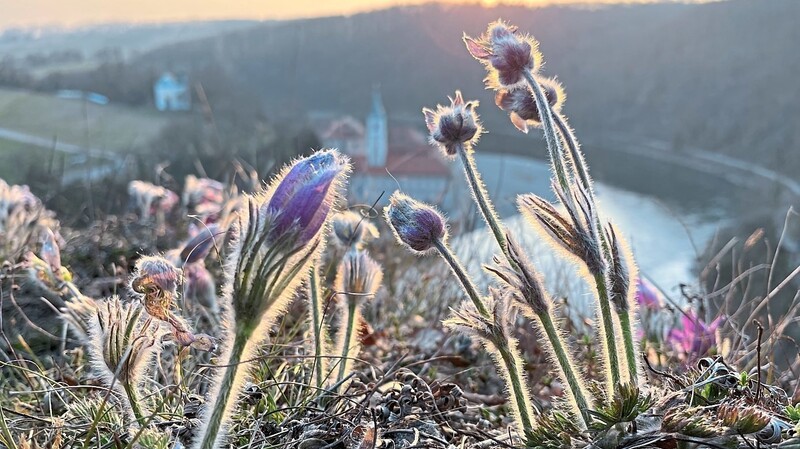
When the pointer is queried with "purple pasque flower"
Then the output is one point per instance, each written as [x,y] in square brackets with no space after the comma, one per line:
[198,247]
[505,53]
[453,126]
[415,224]
[305,195]
[695,338]
[521,105]
[647,295]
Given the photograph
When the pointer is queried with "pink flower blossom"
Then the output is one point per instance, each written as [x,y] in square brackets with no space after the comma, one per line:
[647,295]
[695,338]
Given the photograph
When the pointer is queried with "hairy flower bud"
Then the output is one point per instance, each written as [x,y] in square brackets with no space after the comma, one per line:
[351,229]
[505,53]
[521,105]
[453,126]
[303,198]
[358,275]
[123,342]
[198,247]
[415,224]
[522,278]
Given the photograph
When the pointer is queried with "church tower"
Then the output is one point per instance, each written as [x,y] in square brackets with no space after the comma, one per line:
[377,132]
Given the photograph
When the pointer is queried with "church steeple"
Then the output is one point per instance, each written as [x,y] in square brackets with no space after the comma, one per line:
[377,132]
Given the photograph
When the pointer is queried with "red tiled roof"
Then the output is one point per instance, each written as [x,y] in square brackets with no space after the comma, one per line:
[419,161]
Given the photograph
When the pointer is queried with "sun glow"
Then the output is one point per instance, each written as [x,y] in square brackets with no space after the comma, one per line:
[84,12]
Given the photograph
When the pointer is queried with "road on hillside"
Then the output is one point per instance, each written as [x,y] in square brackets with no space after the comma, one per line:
[111,161]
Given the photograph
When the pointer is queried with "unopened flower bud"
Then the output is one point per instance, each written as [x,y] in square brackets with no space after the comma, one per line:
[352,230]
[415,224]
[453,126]
[505,53]
[358,275]
[521,105]
[304,196]
[198,247]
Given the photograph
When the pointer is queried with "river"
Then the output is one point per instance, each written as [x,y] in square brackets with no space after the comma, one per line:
[667,215]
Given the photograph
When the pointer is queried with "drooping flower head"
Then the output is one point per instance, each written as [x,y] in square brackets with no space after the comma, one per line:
[305,195]
[156,280]
[415,224]
[351,229]
[453,126]
[521,105]
[695,338]
[505,53]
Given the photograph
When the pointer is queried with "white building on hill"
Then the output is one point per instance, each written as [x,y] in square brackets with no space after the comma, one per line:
[172,93]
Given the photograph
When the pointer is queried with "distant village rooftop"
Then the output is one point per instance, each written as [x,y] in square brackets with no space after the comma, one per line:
[386,158]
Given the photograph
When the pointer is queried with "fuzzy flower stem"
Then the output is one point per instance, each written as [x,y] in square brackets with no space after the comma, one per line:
[551,137]
[612,359]
[484,203]
[575,386]
[518,388]
[578,161]
[579,164]
[627,339]
[348,342]
[136,408]
[559,167]
[463,278]
[227,393]
[481,196]
[318,328]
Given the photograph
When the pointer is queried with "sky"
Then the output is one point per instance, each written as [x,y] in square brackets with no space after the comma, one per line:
[72,13]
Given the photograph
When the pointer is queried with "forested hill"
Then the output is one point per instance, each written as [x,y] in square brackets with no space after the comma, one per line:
[720,76]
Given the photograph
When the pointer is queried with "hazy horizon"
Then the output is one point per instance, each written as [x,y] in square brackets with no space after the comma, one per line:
[83,13]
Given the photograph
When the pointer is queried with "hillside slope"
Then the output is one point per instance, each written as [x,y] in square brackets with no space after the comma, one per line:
[719,76]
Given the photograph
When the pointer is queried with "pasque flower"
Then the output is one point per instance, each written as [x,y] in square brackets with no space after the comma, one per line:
[200,287]
[357,280]
[695,337]
[647,295]
[453,126]
[301,201]
[415,224]
[276,238]
[505,53]
[351,229]
[521,105]
[122,345]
